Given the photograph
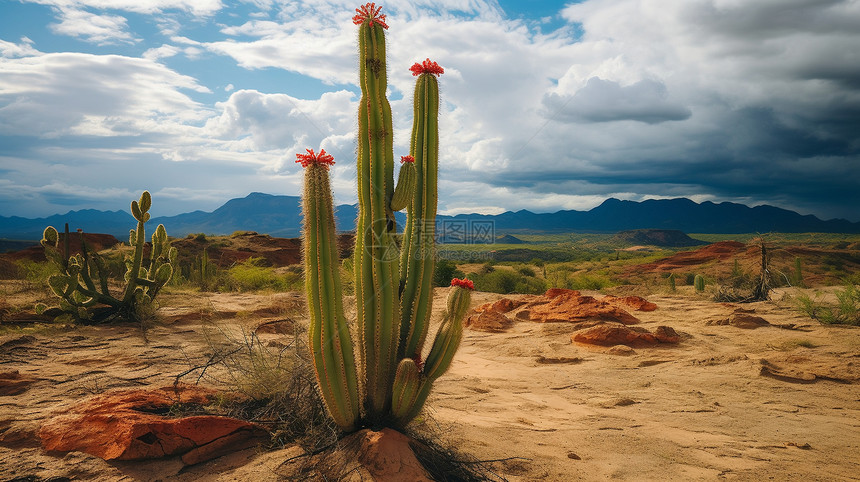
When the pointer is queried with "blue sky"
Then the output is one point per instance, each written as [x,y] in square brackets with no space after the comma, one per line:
[548,105]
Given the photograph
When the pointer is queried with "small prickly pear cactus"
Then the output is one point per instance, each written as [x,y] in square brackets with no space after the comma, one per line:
[380,380]
[699,283]
[82,283]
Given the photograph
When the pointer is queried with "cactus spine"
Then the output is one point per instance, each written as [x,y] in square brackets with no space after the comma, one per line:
[76,283]
[389,384]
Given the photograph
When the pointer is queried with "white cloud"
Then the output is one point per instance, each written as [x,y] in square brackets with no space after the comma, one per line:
[62,93]
[163,52]
[196,7]
[633,98]
[23,49]
[99,29]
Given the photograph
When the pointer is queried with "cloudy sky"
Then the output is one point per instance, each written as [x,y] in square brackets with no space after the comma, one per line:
[547,105]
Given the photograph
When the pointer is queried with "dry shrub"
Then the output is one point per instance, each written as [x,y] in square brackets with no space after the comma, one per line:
[272,383]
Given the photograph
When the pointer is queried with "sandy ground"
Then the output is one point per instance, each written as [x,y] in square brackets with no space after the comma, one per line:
[704,409]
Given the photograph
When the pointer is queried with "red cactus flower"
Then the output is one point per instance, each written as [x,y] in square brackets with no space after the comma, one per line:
[369,12]
[418,362]
[463,283]
[406,159]
[427,67]
[310,158]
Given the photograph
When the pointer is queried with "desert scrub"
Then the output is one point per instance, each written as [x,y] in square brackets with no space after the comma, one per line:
[506,281]
[36,273]
[445,271]
[846,310]
[250,275]
[575,277]
[271,384]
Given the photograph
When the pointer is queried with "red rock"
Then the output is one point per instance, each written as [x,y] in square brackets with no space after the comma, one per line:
[636,302]
[554,292]
[570,306]
[610,334]
[666,334]
[489,321]
[124,425]
[387,456]
[503,305]
[13,383]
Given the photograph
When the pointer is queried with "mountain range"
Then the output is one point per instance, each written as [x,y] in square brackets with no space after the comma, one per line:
[281,216]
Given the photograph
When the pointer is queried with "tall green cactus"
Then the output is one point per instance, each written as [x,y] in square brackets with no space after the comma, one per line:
[381,381]
[76,282]
[417,258]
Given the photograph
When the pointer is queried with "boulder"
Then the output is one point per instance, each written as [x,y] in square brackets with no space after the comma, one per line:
[611,334]
[741,318]
[503,305]
[128,425]
[489,321]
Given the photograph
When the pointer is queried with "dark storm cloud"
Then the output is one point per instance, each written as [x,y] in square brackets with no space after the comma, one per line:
[605,101]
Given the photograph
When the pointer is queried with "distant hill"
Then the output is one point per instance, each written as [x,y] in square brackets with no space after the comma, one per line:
[670,238]
[281,216]
[508,239]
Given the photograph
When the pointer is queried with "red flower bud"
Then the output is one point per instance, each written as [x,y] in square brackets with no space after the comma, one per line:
[406,159]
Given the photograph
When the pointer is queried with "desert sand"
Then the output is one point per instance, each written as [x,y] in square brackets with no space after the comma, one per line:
[778,402]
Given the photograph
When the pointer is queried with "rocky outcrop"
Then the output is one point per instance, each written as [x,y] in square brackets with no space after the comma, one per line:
[490,317]
[489,321]
[129,425]
[635,302]
[571,306]
[557,305]
[611,334]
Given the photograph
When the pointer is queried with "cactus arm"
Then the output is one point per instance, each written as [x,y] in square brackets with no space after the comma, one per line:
[406,181]
[407,385]
[413,394]
[417,258]
[376,268]
[331,347]
[139,211]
